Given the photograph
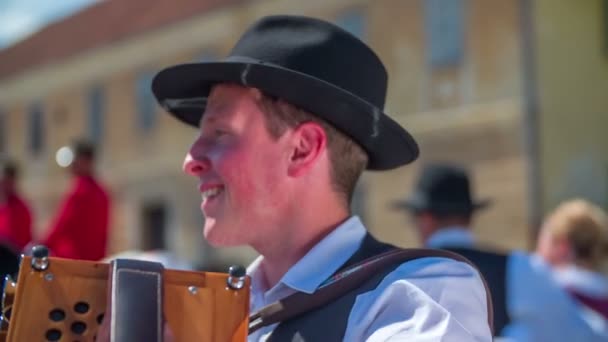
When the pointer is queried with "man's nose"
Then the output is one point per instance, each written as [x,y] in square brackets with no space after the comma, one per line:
[196,166]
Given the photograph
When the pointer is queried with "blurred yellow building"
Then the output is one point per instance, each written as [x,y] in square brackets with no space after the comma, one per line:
[455,82]
[572,100]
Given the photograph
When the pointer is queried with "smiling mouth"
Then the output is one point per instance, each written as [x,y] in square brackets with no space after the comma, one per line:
[211,193]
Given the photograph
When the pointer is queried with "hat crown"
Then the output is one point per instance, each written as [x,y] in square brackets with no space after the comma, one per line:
[310,63]
[319,49]
[445,184]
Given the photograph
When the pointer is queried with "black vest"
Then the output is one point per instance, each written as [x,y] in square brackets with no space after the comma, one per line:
[328,324]
[493,267]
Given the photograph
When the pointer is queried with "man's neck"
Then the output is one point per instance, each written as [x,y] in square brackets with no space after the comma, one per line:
[452,236]
[297,240]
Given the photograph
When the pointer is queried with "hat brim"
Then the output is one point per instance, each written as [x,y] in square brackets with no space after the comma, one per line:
[387,143]
[413,205]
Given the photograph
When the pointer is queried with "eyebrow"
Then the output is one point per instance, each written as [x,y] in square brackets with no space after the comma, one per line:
[221,99]
[208,120]
[213,117]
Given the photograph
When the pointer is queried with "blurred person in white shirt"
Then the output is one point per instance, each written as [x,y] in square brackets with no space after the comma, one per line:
[574,241]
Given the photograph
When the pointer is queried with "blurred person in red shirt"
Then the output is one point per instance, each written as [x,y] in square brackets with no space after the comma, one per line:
[81,227]
[15,214]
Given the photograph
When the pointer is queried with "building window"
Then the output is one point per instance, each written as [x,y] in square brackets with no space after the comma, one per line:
[35,128]
[444,26]
[154,224]
[353,21]
[96,102]
[146,103]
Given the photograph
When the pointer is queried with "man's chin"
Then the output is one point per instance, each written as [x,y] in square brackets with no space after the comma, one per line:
[218,238]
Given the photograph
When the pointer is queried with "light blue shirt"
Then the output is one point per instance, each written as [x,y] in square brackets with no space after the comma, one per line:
[428,299]
[537,306]
[451,237]
[590,283]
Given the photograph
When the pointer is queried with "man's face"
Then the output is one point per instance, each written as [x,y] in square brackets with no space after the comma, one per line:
[240,167]
[424,223]
[553,249]
[81,166]
[2,189]
[7,185]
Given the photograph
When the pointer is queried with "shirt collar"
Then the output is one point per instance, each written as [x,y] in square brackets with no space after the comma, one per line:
[588,282]
[451,237]
[322,261]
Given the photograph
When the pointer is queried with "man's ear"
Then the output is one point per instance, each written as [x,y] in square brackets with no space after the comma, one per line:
[309,143]
[426,217]
[565,250]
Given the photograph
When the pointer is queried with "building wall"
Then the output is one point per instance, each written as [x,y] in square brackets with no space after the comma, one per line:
[467,112]
[572,41]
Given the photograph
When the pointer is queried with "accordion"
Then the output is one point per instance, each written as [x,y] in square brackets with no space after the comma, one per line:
[56,299]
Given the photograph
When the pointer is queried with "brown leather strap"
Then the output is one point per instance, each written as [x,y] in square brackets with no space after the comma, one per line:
[136,308]
[343,282]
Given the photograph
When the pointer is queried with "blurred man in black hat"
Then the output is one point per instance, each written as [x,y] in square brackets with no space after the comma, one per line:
[528,304]
[442,206]
[287,123]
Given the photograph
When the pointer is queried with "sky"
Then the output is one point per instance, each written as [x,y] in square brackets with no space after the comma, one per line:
[21,18]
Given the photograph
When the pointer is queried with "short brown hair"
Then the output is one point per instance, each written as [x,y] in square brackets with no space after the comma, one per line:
[348,159]
[9,169]
[84,148]
[585,226]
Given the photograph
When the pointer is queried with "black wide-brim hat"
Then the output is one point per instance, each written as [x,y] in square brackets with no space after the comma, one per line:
[444,189]
[309,63]
[419,202]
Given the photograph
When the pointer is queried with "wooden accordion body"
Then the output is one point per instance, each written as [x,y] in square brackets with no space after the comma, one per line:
[67,301]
